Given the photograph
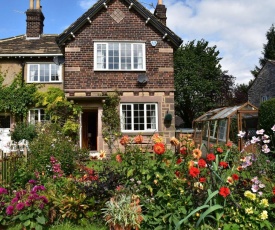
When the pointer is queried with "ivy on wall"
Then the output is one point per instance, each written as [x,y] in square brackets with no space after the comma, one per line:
[17,97]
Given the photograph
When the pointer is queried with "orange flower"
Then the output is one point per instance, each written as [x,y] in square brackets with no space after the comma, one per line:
[197,153]
[138,139]
[219,150]
[157,138]
[229,144]
[174,141]
[124,140]
[159,148]
[118,158]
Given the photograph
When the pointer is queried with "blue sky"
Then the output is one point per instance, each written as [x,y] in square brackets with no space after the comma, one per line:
[236,27]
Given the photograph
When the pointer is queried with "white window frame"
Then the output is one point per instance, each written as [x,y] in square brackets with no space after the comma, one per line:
[218,124]
[30,78]
[145,123]
[264,98]
[32,119]
[105,58]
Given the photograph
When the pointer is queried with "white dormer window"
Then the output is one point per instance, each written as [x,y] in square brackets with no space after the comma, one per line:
[122,56]
[44,73]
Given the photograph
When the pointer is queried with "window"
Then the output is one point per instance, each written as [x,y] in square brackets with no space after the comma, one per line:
[218,128]
[38,115]
[119,56]
[4,122]
[138,117]
[45,72]
[264,98]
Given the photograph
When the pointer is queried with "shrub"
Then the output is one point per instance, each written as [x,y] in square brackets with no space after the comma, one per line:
[50,141]
[23,130]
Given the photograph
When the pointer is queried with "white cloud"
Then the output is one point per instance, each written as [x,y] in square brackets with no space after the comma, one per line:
[236,27]
[86,4]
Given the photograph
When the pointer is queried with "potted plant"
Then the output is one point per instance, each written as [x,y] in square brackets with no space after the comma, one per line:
[123,212]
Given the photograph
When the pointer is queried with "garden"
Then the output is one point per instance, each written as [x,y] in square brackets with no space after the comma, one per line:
[59,186]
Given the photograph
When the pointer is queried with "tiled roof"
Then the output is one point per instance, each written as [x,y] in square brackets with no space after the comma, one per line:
[88,15]
[20,46]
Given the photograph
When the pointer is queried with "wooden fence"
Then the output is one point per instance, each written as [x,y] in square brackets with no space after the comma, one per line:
[8,164]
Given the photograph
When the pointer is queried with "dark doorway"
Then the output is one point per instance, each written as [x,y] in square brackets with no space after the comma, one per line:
[89,130]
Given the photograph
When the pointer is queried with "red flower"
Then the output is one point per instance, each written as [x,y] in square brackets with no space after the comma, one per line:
[210,157]
[159,148]
[235,177]
[138,139]
[124,140]
[219,150]
[183,150]
[194,172]
[202,179]
[179,161]
[223,164]
[229,144]
[201,163]
[273,190]
[224,191]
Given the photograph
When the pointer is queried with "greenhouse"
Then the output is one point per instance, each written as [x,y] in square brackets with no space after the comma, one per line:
[221,125]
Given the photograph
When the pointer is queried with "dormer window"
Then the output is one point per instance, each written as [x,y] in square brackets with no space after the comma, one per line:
[122,56]
[44,73]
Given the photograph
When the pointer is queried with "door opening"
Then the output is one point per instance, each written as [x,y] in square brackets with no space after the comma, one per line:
[89,130]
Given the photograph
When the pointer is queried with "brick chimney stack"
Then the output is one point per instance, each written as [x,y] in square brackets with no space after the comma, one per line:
[35,20]
[160,12]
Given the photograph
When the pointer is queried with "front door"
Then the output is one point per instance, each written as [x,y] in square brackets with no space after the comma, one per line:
[89,130]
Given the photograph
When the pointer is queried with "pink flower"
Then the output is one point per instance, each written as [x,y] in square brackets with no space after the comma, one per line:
[9,210]
[3,191]
[20,206]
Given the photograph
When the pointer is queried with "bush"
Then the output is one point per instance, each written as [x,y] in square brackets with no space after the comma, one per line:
[51,142]
[23,130]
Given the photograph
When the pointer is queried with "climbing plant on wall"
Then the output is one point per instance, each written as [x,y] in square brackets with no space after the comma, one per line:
[17,97]
[111,120]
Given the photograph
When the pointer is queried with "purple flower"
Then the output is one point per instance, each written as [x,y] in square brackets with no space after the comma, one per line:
[32,181]
[273,128]
[14,200]
[3,191]
[9,210]
[41,206]
[44,199]
[255,188]
[20,194]
[265,149]
[241,134]
[20,206]
[255,140]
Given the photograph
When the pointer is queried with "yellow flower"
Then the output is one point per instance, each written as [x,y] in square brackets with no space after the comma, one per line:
[197,153]
[264,202]
[174,141]
[249,210]
[157,138]
[264,215]
[250,195]
[102,155]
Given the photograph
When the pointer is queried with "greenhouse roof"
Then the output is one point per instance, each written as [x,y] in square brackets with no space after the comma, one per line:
[226,112]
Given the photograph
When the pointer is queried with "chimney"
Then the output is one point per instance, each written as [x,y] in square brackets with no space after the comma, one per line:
[35,19]
[160,12]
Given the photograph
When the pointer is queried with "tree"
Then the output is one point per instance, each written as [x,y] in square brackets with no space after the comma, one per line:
[200,82]
[240,92]
[268,52]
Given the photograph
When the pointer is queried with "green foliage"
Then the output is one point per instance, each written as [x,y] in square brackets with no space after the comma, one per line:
[199,80]
[267,117]
[17,97]
[268,52]
[23,130]
[111,120]
[61,111]
[50,141]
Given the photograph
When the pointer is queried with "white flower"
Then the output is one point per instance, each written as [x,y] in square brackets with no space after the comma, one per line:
[265,149]
[260,132]
[255,140]
[241,134]
[273,128]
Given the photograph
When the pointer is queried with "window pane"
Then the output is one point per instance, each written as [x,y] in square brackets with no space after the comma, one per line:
[54,72]
[151,116]
[138,56]
[113,55]
[33,75]
[101,56]
[5,122]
